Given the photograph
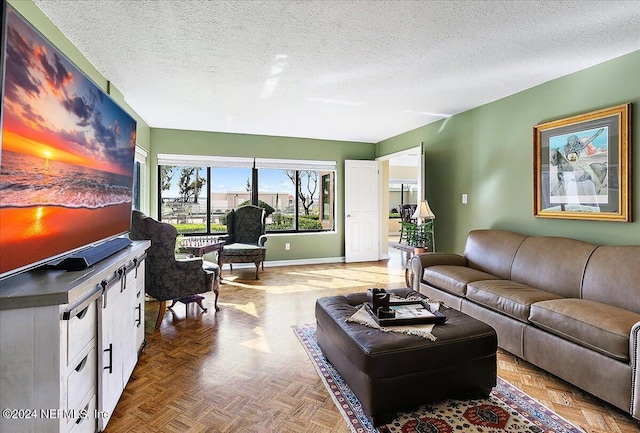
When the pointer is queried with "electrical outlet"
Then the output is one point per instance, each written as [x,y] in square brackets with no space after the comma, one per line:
[287,246]
[464,199]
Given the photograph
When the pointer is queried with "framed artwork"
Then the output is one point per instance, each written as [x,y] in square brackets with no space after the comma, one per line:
[581,166]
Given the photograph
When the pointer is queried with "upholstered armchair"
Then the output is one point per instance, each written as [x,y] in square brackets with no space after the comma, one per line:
[165,277]
[245,237]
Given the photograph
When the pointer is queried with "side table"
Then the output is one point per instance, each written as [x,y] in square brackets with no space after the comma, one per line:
[200,245]
[408,251]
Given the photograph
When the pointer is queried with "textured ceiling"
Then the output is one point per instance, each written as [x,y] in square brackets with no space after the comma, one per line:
[341,70]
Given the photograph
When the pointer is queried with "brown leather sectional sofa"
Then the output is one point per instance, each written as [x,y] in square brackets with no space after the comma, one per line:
[567,306]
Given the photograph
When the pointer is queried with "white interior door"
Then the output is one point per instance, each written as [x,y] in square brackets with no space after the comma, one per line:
[361,207]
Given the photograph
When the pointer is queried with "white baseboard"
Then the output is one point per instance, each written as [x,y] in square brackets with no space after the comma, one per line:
[317,261]
[276,263]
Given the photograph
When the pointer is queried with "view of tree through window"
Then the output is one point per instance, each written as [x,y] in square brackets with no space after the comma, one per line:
[184,199]
[276,190]
[294,200]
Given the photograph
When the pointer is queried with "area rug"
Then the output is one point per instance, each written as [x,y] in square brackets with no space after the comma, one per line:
[507,409]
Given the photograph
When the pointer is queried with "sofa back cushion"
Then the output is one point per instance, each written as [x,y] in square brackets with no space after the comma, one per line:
[553,264]
[492,251]
[613,277]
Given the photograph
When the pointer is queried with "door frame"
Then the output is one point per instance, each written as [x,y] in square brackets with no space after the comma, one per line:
[383,185]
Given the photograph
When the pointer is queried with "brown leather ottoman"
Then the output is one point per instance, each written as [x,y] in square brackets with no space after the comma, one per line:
[391,372]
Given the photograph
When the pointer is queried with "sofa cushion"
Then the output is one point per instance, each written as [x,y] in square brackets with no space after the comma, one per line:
[453,279]
[605,280]
[507,297]
[553,264]
[492,251]
[591,324]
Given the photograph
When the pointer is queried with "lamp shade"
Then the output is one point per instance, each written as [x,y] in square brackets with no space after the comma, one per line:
[424,211]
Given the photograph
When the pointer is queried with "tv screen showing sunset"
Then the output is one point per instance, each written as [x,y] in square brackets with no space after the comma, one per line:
[66,168]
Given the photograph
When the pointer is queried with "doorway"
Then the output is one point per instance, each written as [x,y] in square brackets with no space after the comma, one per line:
[400,188]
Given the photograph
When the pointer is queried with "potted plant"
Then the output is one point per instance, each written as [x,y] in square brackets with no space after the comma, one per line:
[421,239]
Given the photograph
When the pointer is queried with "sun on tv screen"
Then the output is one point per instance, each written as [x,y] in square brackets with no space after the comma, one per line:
[67,154]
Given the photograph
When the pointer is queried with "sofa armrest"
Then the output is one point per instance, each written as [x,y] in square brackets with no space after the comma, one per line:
[262,240]
[421,261]
[634,354]
[432,259]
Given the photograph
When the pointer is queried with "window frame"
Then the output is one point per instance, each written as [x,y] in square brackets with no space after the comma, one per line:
[139,187]
[323,168]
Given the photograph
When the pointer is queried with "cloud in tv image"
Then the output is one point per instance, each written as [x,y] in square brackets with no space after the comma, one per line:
[66,168]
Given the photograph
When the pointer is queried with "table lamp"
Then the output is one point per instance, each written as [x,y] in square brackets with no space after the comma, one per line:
[423,212]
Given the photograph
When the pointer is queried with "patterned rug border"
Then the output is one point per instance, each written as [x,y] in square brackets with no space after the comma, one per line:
[545,419]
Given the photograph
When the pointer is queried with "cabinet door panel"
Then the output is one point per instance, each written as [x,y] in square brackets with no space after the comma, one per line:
[110,359]
[130,352]
[139,317]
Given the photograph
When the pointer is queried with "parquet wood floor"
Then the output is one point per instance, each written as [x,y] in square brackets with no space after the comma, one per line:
[242,369]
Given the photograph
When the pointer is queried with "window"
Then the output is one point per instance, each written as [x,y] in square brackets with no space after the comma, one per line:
[276,190]
[303,179]
[230,187]
[183,197]
[326,214]
[139,174]
[296,195]
[136,185]
[308,199]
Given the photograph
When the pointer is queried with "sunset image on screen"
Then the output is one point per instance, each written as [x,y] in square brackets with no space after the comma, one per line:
[66,167]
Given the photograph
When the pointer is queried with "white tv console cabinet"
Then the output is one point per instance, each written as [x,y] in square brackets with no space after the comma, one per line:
[69,341]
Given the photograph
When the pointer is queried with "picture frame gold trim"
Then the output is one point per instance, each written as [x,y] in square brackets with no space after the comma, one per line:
[581,166]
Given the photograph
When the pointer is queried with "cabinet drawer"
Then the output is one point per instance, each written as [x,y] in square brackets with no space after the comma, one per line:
[81,379]
[81,329]
[86,418]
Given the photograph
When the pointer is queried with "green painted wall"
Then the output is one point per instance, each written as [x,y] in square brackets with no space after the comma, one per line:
[487,153]
[303,246]
[41,22]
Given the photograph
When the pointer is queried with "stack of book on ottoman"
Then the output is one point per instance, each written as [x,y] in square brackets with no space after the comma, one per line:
[389,310]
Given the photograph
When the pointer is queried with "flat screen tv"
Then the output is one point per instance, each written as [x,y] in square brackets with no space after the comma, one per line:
[67,154]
